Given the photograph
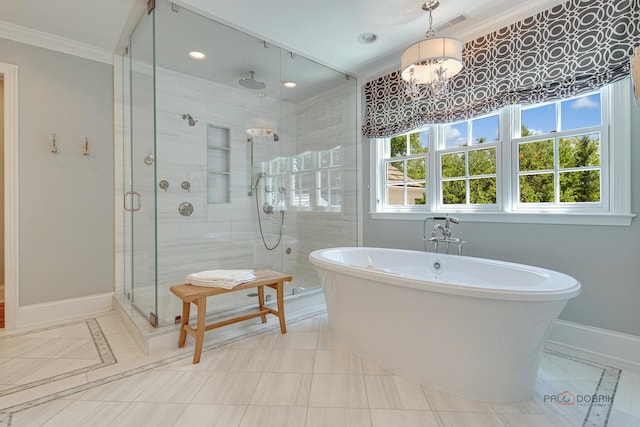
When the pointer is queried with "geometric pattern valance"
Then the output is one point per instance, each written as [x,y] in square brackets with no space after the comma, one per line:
[564,51]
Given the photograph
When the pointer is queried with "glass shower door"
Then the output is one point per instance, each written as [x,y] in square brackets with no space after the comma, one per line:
[140,191]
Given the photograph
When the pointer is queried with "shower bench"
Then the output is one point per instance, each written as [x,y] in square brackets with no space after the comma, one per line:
[198,295]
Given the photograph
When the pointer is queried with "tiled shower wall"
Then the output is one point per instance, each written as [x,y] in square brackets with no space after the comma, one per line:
[225,235]
[221,235]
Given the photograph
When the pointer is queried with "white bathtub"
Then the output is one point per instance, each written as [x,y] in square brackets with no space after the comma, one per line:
[469,326]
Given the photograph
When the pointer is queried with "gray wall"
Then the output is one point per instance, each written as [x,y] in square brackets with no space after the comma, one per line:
[605,259]
[66,199]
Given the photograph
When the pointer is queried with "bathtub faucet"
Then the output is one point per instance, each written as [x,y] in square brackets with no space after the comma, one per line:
[441,233]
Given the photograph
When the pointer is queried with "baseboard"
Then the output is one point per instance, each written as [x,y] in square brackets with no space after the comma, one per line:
[64,309]
[599,345]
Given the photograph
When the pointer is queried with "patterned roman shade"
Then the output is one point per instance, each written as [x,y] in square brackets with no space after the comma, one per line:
[564,51]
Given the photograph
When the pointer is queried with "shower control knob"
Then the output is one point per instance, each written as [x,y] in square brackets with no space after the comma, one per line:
[185,209]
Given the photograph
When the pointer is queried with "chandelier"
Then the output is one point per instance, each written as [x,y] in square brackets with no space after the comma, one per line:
[431,62]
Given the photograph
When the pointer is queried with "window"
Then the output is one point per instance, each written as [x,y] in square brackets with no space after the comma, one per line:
[559,154]
[276,182]
[405,169]
[309,181]
[329,178]
[514,164]
[301,176]
[468,165]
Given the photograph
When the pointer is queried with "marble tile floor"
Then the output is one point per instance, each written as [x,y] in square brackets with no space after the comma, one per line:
[263,378]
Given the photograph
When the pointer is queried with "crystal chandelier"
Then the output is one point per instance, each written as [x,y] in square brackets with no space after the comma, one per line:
[431,62]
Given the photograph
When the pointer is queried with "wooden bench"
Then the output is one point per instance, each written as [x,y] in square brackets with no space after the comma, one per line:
[198,295]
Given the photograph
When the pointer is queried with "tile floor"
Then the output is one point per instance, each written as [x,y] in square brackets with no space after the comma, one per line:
[266,379]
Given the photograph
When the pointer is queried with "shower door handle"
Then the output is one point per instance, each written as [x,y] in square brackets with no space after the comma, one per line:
[132,193]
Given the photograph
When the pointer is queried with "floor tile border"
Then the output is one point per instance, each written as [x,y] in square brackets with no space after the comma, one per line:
[597,415]
[7,413]
[102,347]
[599,412]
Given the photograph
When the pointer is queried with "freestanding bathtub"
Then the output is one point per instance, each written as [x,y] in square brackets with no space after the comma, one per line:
[470,326]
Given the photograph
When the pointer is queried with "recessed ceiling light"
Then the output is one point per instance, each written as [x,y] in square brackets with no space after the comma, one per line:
[196,55]
[366,38]
[289,84]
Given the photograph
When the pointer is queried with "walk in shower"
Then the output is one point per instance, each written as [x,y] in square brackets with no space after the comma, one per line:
[236,153]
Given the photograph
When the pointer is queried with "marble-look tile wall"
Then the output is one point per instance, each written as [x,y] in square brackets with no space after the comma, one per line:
[226,235]
[215,235]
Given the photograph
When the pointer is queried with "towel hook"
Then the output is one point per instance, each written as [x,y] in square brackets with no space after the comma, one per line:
[85,150]
[54,147]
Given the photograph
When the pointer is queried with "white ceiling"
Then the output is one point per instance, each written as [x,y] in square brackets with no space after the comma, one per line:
[93,22]
[325,31]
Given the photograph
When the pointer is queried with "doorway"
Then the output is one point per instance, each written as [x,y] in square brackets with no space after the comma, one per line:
[2,201]
[9,246]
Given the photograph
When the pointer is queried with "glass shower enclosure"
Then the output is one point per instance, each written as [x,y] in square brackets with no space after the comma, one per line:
[245,158]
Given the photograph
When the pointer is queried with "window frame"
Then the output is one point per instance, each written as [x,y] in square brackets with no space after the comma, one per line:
[556,170]
[334,168]
[603,205]
[441,206]
[615,205]
[296,189]
[289,172]
[385,148]
[441,150]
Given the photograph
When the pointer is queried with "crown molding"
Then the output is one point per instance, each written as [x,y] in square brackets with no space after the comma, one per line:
[52,42]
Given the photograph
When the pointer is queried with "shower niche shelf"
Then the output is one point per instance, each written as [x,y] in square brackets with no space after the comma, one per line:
[218,165]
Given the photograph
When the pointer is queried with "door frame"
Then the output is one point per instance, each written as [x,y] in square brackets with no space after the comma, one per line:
[11,207]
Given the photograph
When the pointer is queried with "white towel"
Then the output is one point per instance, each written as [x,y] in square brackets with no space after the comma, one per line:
[228,275]
[226,279]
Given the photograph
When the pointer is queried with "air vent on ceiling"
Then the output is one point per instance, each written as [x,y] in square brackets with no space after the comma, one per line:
[451,22]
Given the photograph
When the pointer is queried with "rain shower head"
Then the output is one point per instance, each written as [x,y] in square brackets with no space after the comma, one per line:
[251,83]
[263,135]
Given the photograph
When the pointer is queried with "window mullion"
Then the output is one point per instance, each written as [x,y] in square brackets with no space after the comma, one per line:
[433,182]
[508,176]
[405,176]
[466,177]
[467,186]
[556,168]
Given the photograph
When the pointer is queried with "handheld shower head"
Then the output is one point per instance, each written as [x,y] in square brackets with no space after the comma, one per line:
[259,177]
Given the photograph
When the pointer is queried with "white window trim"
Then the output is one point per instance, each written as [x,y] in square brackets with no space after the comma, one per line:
[596,207]
[619,179]
[331,169]
[441,207]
